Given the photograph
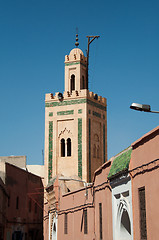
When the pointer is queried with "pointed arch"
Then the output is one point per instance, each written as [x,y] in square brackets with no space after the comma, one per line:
[72,82]
[68,147]
[62,147]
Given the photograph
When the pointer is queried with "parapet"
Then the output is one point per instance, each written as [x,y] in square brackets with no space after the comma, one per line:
[84,93]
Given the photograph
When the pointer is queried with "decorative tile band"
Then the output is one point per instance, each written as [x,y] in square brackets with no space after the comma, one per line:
[74,63]
[79,110]
[97,114]
[75,101]
[50,114]
[89,150]
[50,150]
[80,147]
[69,112]
[104,143]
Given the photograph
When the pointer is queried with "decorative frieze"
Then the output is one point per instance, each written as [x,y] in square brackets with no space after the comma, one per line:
[75,101]
[80,147]
[96,114]
[50,114]
[50,150]
[69,112]
[79,111]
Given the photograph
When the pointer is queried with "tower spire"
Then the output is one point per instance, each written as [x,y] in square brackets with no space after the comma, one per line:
[76,43]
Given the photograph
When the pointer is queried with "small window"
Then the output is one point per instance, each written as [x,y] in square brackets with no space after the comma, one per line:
[85,222]
[9,201]
[100,221]
[72,82]
[62,147]
[17,203]
[65,224]
[68,147]
[142,206]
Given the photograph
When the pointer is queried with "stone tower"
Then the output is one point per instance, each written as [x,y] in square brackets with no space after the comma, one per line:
[75,125]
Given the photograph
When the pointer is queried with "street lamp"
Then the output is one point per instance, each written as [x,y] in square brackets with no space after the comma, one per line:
[77,180]
[142,107]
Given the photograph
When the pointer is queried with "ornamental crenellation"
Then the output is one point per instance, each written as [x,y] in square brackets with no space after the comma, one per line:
[84,93]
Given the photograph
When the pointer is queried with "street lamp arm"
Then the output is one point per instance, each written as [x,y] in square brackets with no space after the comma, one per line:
[142,107]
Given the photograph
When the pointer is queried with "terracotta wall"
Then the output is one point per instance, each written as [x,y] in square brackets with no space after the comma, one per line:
[75,202]
[24,186]
[146,150]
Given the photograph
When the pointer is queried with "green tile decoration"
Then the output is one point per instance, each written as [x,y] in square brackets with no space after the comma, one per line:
[74,63]
[69,112]
[50,150]
[75,101]
[50,114]
[96,114]
[104,143]
[80,147]
[79,111]
[89,150]
[120,163]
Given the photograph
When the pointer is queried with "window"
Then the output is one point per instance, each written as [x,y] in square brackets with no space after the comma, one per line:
[100,221]
[65,224]
[142,206]
[17,203]
[62,147]
[72,82]
[68,147]
[85,221]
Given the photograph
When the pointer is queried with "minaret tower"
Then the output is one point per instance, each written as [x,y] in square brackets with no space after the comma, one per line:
[75,124]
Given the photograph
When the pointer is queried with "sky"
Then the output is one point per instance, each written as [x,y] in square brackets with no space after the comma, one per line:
[35,36]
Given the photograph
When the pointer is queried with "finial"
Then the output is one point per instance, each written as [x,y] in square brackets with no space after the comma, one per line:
[76,43]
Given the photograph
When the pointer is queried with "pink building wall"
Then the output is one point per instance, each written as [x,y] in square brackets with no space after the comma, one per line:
[74,203]
[21,216]
[146,150]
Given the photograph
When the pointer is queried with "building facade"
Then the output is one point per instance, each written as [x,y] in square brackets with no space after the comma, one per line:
[121,202]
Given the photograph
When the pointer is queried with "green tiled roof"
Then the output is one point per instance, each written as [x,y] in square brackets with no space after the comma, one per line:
[120,163]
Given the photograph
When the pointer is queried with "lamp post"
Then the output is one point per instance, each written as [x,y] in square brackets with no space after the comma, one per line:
[77,180]
[142,107]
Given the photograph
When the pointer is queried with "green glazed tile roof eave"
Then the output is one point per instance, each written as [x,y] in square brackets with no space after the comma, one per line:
[120,163]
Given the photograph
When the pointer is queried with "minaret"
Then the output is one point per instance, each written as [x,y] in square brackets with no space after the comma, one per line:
[75,124]
[75,69]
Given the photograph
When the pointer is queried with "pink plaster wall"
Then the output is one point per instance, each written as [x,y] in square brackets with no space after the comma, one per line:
[145,150]
[21,183]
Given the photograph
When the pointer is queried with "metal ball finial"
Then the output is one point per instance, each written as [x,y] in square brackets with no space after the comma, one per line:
[76,43]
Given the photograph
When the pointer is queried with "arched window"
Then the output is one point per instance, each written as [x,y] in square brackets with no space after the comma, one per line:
[94,151]
[68,147]
[72,82]
[62,147]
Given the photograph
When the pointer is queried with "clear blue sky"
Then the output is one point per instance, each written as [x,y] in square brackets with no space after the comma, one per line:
[35,35]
